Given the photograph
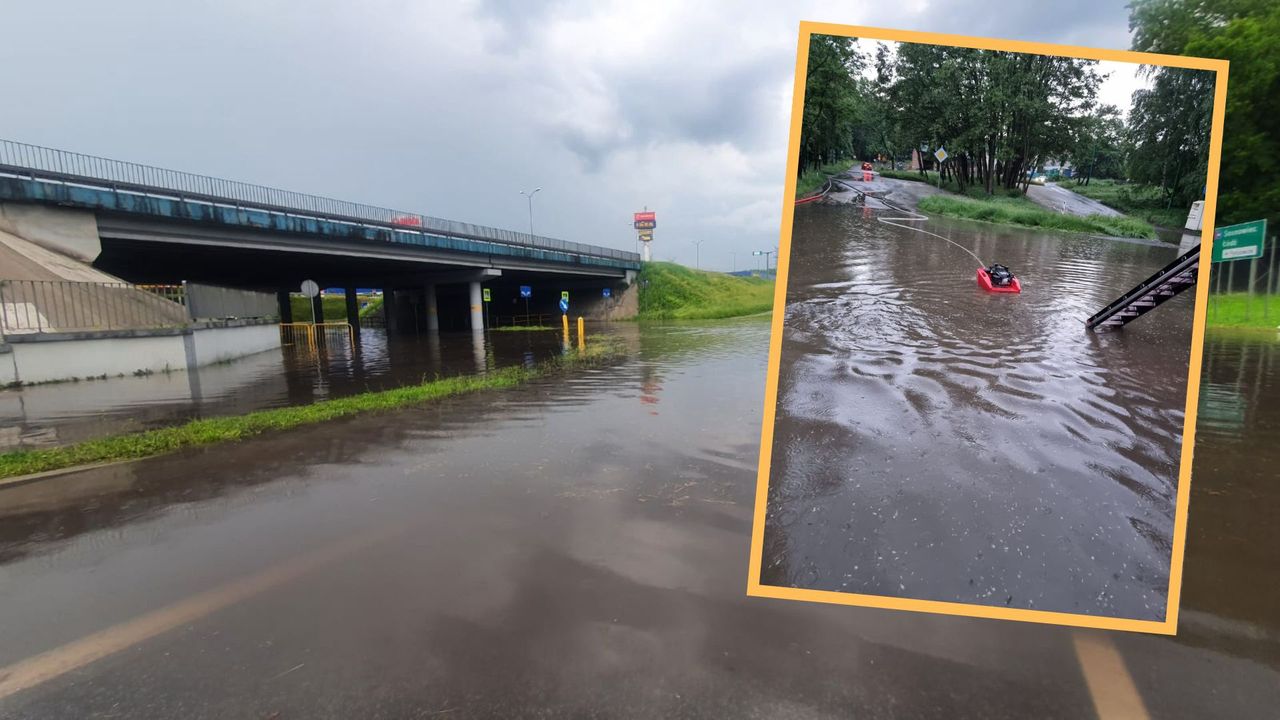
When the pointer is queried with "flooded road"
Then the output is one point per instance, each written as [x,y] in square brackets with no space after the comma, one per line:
[576,547]
[937,442]
[63,413]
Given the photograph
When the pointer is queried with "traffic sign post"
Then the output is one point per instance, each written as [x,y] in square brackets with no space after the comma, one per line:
[941,154]
[488,316]
[564,301]
[526,292]
[607,292]
[312,290]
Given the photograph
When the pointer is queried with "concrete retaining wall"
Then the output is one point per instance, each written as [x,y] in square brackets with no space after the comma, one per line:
[73,233]
[50,357]
[218,343]
[623,305]
[55,358]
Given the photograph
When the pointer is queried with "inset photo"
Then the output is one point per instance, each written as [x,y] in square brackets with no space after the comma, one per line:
[987,331]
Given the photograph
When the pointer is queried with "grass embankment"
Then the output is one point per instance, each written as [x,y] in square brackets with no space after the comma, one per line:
[1140,201]
[335,307]
[671,291]
[1242,310]
[374,306]
[521,328]
[810,180]
[1023,212]
[132,446]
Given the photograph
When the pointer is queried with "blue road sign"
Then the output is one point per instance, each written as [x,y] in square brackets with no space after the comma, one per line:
[564,305]
[608,292]
[526,291]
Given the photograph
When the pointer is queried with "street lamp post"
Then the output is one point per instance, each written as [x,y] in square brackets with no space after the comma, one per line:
[697,263]
[766,254]
[530,195]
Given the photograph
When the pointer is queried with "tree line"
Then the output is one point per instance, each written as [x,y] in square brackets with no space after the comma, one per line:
[1001,116]
[1243,32]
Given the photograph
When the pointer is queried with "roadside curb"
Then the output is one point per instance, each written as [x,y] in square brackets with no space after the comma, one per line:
[16,480]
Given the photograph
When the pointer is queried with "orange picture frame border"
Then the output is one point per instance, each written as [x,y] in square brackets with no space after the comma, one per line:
[1169,625]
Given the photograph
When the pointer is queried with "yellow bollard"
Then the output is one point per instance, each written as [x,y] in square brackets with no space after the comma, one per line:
[565,321]
[582,334]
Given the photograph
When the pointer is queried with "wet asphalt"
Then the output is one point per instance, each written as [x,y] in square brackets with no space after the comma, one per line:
[572,548]
[937,442]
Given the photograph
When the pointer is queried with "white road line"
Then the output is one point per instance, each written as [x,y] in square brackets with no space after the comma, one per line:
[47,666]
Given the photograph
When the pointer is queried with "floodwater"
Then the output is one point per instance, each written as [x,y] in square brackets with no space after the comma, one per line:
[574,547]
[62,413]
[937,442]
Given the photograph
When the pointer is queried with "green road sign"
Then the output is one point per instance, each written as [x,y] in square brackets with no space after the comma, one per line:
[486,294]
[1239,242]
[564,295]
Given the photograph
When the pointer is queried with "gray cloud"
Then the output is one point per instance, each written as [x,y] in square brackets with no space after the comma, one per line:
[451,109]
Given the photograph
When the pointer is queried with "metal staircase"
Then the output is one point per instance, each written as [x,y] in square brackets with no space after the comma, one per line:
[1150,293]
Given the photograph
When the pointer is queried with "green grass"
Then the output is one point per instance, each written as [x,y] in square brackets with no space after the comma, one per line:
[522,328]
[1140,201]
[810,180]
[1241,310]
[335,308]
[216,430]
[1023,212]
[677,292]
[374,306]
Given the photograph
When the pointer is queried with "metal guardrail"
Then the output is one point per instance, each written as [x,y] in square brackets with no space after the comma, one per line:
[531,320]
[23,160]
[312,336]
[47,306]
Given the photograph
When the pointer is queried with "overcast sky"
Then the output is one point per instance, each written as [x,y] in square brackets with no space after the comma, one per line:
[452,108]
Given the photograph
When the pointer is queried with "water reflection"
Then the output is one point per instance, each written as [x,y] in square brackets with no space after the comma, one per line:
[61,413]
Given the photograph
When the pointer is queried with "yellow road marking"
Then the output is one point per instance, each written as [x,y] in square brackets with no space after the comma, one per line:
[46,666]
[1115,697]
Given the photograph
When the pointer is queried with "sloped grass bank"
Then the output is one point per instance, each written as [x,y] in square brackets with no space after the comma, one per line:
[1141,201]
[810,180]
[1023,212]
[226,429]
[674,292]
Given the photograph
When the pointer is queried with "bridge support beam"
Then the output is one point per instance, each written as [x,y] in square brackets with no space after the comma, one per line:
[433,311]
[477,306]
[353,308]
[317,308]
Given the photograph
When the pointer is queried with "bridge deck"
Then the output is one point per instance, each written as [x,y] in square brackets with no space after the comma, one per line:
[30,173]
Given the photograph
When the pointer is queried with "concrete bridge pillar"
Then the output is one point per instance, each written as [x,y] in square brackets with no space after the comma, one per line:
[433,312]
[389,314]
[477,306]
[353,307]
[286,306]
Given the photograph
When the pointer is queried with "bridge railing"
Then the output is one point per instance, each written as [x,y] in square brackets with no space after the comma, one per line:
[50,306]
[48,163]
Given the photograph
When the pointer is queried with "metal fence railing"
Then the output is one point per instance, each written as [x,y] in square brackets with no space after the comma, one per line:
[23,160]
[48,306]
[531,320]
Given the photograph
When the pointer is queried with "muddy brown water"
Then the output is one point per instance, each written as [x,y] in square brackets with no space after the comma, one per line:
[937,442]
[577,547]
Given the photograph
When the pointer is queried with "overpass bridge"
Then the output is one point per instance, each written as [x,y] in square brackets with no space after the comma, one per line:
[155,225]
